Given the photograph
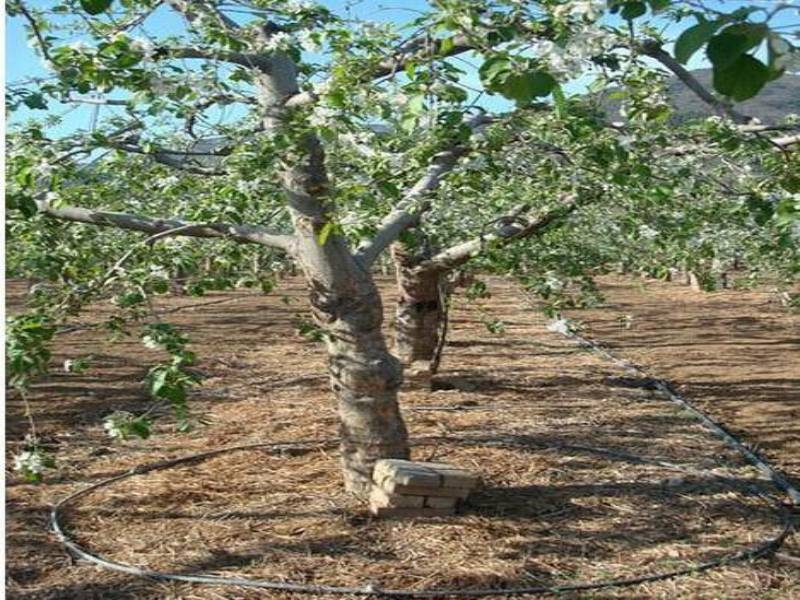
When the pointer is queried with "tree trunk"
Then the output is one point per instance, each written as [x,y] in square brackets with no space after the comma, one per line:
[419,314]
[365,378]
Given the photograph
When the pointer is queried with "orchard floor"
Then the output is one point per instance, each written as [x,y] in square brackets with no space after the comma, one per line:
[527,408]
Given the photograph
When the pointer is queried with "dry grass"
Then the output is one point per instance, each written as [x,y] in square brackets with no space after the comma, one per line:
[513,407]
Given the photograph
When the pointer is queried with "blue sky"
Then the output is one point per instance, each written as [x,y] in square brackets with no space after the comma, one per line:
[22,62]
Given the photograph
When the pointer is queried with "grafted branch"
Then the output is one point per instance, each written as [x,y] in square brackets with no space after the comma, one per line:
[153,226]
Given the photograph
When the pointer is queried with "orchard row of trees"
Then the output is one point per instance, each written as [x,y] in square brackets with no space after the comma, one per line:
[282,131]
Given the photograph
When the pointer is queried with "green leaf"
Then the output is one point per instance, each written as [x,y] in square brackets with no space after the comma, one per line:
[632,10]
[659,5]
[446,46]
[323,234]
[691,40]
[494,70]
[525,87]
[35,101]
[733,41]
[24,204]
[416,104]
[160,286]
[140,427]
[741,79]
[95,7]
[560,102]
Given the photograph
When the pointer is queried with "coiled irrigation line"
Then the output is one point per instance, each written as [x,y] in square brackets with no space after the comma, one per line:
[763,548]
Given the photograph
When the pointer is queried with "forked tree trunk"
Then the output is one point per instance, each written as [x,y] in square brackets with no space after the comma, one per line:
[419,314]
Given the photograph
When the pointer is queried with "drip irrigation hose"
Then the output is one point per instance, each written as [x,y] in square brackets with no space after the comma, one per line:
[768,546]
[666,388]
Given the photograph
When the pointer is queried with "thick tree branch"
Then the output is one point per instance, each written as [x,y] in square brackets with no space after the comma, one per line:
[177,159]
[43,45]
[517,228]
[155,227]
[654,50]
[785,141]
[413,204]
[257,61]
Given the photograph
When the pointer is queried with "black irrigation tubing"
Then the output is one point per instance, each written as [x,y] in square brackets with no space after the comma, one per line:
[666,388]
[766,547]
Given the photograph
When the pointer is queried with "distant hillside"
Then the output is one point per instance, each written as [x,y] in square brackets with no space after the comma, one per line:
[778,99]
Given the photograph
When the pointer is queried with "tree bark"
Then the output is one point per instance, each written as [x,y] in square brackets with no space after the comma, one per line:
[365,378]
[419,314]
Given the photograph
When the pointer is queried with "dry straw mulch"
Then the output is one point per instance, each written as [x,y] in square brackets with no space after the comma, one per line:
[524,408]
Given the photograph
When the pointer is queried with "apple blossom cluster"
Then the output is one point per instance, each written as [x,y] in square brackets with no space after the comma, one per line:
[569,59]
[30,462]
[117,423]
[587,10]
[560,325]
[296,7]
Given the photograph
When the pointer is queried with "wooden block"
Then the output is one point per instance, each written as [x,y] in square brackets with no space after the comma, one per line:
[379,498]
[438,502]
[392,487]
[411,512]
[412,474]
[406,472]
[455,477]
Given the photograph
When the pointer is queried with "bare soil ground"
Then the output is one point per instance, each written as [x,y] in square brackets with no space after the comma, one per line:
[526,408]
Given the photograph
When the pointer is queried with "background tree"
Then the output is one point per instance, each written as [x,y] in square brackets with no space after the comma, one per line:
[342,136]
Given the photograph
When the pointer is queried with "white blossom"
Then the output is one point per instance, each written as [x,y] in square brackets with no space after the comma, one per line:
[44,170]
[298,6]
[247,186]
[560,325]
[169,181]
[159,271]
[588,9]
[648,232]
[145,46]
[279,41]
[322,116]
[400,99]
[30,462]
[570,58]
[310,41]
[150,342]
[114,424]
